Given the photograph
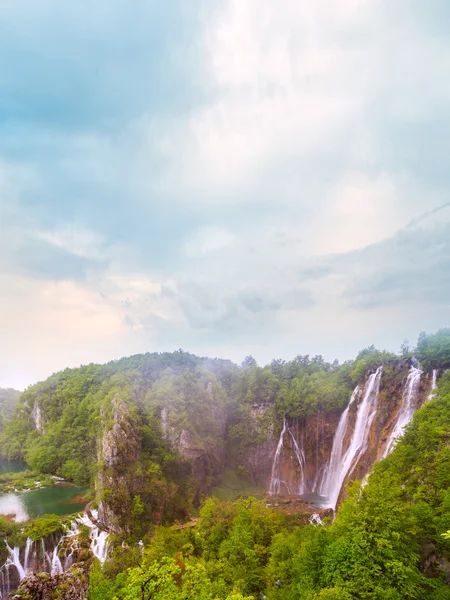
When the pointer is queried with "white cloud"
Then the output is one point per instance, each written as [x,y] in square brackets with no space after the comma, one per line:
[208,240]
[73,239]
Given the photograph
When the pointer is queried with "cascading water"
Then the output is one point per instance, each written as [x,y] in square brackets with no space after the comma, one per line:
[99,539]
[301,461]
[407,408]
[28,545]
[36,556]
[331,475]
[276,481]
[432,393]
[13,556]
[358,443]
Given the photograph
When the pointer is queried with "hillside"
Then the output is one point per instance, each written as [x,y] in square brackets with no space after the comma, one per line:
[8,401]
[154,435]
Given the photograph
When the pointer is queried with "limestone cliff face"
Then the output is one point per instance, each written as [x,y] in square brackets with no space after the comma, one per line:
[119,475]
[37,417]
[256,459]
[202,442]
[313,436]
[299,461]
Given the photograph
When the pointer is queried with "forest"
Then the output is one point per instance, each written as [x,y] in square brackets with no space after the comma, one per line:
[175,539]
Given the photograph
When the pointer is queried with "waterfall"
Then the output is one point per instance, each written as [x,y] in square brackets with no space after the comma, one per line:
[432,394]
[359,440]
[332,471]
[300,455]
[276,482]
[407,407]
[99,539]
[315,520]
[56,566]
[13,556]
[28,545]
[50,561]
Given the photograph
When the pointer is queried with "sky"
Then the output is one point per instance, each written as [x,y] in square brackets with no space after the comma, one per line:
[230,177]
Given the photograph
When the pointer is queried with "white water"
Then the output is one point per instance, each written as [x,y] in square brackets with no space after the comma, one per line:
[359,441]
[315,519]
[300,455]
[99,539]
[276,483]
[432,394]
[56,566]
[331,477]
[53,564]
[28,546]
[407,407]
[13,556]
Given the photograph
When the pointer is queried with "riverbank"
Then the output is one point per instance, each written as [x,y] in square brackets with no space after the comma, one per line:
[25,481]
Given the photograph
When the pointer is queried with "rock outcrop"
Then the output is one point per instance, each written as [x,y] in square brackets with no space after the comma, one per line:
[203,442]
[119,475]
[305,450]
[72,585]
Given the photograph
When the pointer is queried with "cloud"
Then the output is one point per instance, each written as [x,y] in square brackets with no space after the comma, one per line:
[208,240]
[228,177]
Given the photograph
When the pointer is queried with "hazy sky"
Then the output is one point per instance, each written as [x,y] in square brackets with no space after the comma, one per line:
[228,177]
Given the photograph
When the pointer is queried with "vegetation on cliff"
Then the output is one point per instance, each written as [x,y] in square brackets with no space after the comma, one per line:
[149,434]
[386,542]
[8,401]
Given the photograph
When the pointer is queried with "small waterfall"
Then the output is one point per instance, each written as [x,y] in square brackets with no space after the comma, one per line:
[56,567]
[407,407]
[359,440]
[276,482]
[300,455]
[99,539]
[15,559]
[315,520]
[14,570]
[332,473]
[28,547]
[432,394]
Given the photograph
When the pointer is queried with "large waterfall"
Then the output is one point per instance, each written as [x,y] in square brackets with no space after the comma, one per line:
[407,407]
[343,466]
[54,555]
[331,478]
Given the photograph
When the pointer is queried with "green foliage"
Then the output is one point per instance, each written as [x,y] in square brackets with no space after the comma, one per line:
[23,480]
[375,547]
[370,359]
[433,350]
[11,532]
[8,401]
[373,550]
[43,527]
[223,558]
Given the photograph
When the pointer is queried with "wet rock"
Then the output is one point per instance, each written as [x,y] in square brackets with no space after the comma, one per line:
[72,585]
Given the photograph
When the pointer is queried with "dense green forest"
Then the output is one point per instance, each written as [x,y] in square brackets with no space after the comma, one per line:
[8,401]
[121,428]
[387,541]
[66,407]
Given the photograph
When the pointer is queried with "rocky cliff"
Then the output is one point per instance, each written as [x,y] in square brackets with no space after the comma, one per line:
[72,585]
[293,458]
[120,475]
[200,438]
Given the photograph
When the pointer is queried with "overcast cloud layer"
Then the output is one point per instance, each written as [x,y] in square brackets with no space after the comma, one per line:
[230,177]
